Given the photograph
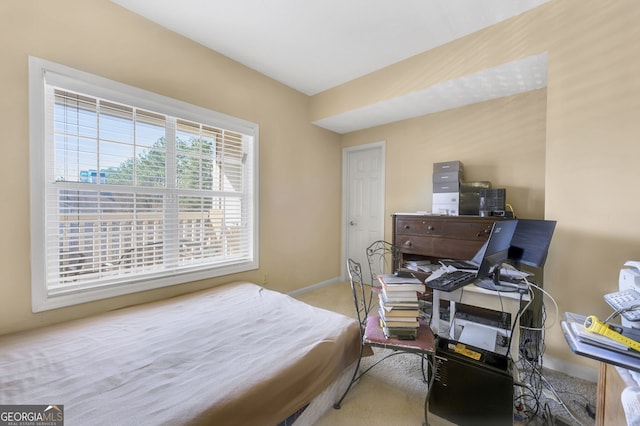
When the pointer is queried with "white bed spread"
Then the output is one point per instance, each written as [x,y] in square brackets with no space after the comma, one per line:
[235,354]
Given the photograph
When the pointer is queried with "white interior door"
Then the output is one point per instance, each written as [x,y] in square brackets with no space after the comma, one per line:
[363,200]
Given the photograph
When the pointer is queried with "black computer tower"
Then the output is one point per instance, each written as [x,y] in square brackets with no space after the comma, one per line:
[474,392]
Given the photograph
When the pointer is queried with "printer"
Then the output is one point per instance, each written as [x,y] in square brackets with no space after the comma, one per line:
[630,279]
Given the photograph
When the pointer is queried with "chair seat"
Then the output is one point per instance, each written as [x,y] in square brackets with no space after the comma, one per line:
[374,335]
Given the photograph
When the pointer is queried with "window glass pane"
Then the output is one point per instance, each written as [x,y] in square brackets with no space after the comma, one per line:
[210,229]
[150,165]
[116,123]
[232,165]
[75,114]
[75,130]
[150,149]
[113,155]
[150,129]
[195,155]
[103,234]
[74,157]
[194,229]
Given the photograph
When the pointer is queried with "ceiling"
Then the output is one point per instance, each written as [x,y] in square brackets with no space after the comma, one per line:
[314,45]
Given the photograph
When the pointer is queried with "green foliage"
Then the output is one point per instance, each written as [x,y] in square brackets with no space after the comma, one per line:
[194,169]
[194,166]
[194,163]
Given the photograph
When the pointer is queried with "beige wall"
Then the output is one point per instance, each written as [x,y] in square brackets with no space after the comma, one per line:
[583,172]
[501,141]
[592,150]
[299,163]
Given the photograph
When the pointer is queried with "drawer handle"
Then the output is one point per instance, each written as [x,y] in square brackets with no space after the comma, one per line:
[430,228]
[407,243]
[485,232]
[407,227]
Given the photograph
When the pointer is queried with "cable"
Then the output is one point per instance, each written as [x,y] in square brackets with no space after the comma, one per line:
[621,311]
[513,326]
[433,364]
[529,372]
[510,207]
[522,399]
[533,388]
[557,311]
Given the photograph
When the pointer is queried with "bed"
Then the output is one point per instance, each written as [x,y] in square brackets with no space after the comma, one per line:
[235,354]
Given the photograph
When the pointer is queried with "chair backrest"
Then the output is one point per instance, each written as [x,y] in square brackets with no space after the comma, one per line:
[383,258]
[360,300]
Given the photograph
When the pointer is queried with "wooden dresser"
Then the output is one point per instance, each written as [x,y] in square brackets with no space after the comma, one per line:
[439,237]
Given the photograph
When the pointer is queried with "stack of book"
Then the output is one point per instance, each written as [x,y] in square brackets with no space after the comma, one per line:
[399,310]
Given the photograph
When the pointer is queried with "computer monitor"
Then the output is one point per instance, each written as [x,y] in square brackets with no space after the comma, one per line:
[530,242]
[496,253]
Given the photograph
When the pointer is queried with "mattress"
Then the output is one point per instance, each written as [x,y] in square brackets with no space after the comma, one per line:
[234,354]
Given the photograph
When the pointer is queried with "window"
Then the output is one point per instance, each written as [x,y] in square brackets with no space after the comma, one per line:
[131,190]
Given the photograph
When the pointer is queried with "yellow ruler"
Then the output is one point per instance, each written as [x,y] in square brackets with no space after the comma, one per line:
[594,325]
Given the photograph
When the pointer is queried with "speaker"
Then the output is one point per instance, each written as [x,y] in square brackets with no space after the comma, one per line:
[492,200]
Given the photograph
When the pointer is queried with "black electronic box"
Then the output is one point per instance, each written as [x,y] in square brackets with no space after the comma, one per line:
[471,386]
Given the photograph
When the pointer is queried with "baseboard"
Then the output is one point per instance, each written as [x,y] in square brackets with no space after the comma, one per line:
[315,286]
[566,367]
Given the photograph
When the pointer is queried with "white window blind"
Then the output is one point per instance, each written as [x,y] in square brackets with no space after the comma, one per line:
[137,191]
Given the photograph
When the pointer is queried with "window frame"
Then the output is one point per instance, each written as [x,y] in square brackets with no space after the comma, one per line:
[93,85]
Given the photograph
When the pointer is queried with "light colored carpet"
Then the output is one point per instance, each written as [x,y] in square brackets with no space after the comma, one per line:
[393,392]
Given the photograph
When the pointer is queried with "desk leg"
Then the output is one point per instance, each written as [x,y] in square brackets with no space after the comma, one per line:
[452,316]
[435,312]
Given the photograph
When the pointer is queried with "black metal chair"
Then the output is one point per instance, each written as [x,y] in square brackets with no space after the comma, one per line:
[383,257]
[372,334]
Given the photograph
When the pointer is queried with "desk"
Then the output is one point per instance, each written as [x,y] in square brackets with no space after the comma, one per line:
[598,353]
[476,296]
[610,385]
[609,409]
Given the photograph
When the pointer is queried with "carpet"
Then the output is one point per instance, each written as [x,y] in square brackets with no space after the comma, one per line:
[393,392]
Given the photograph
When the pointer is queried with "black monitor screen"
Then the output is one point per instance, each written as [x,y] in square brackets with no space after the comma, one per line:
[530,242]
[497,250]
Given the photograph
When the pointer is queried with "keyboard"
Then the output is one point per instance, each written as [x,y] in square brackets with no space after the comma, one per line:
[625,299]
[460,264]
[451,281]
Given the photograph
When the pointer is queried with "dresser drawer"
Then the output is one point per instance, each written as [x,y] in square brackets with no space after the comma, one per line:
[436,247]
[421,226]
[472,230]
[450,227]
